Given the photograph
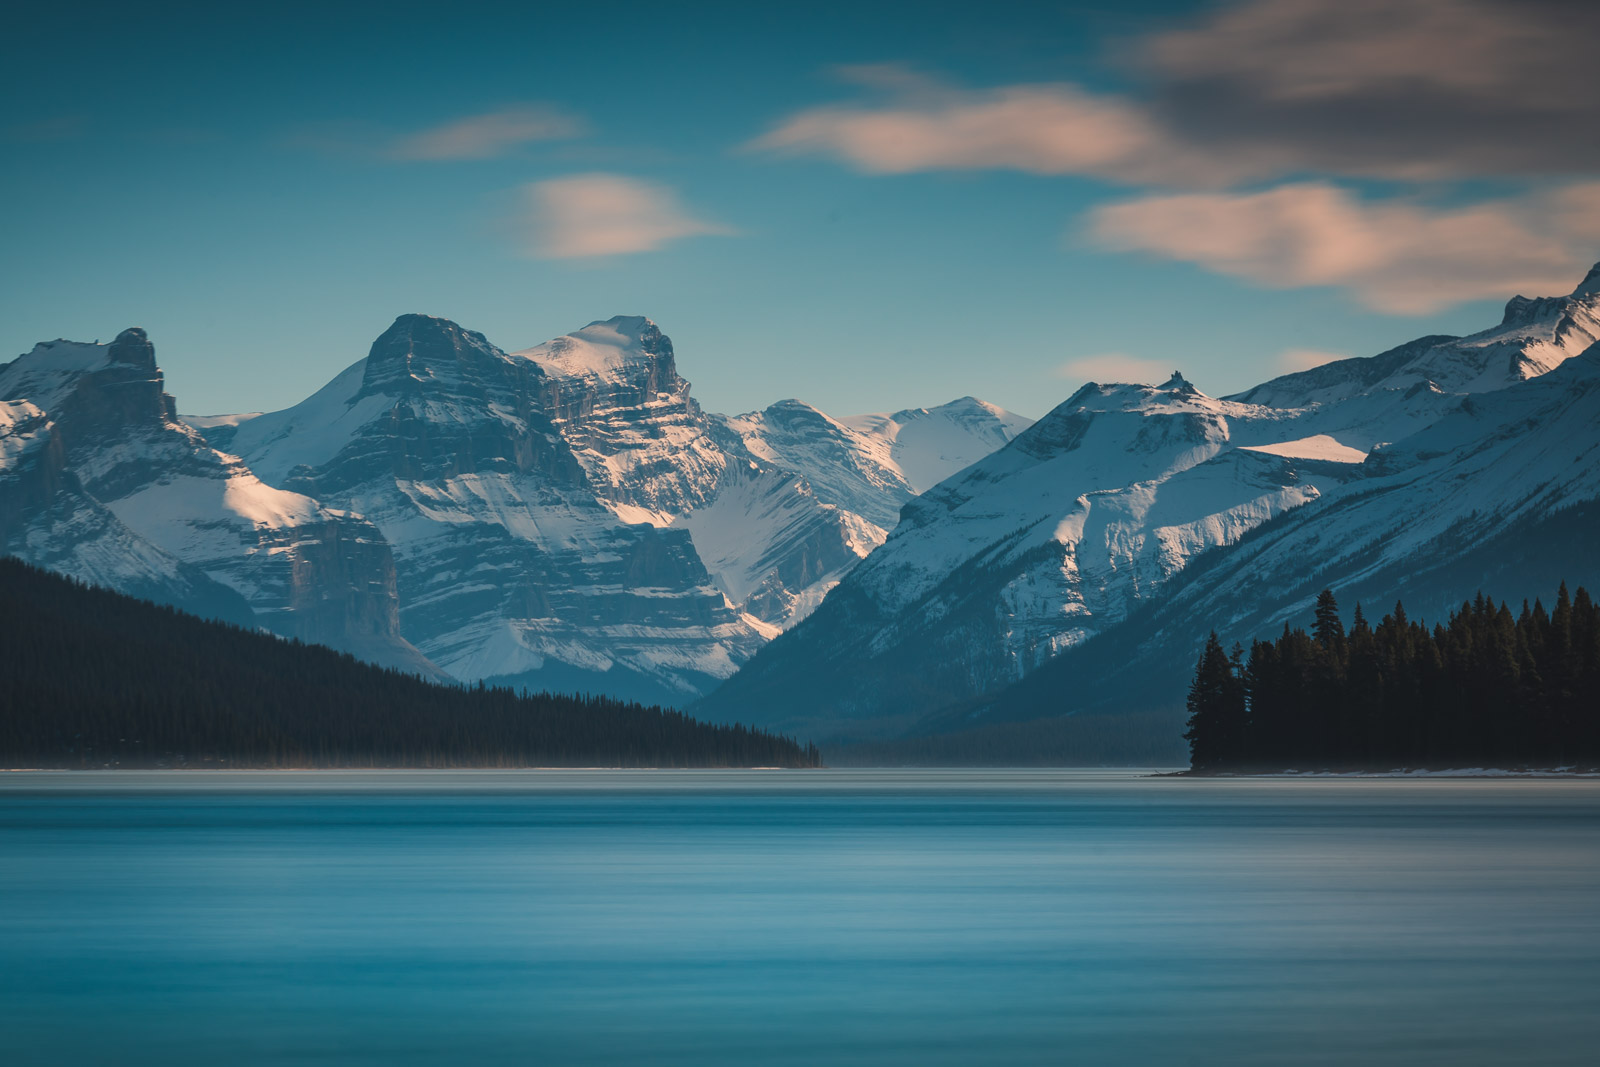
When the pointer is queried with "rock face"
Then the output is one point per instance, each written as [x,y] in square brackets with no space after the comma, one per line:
[99,480]
[567,515]
[1085,517]
[781,503]
[1501,495]
[544,518]
[509,565]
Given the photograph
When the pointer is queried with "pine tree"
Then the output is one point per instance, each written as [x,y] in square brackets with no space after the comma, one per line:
[1217,717]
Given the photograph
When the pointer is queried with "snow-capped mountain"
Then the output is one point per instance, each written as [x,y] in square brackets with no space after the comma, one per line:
[873,465]
[1501,495]
[566,515]
[780,503]
[509,566]
[1094,510]
[101,481]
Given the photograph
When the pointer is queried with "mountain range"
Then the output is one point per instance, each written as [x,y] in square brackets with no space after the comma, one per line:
[564,517]
[1078,568]
[568,517]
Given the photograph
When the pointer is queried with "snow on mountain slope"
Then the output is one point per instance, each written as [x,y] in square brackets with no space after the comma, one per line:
[1029,551]
[872,465]
[126,496]
[651,455]
[1041,489]
[927,445]
[1500,496]
[511,565]
[781,503]
[762,539]
[1533,337]
[613,390]
[1095,509]
[47,518]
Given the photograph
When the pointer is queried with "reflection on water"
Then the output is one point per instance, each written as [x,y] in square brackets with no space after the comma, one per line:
[840,917]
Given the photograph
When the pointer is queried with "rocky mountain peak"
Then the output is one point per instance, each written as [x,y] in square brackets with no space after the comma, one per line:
[424,348]
[1590,286]
[132,346]
[1179,384]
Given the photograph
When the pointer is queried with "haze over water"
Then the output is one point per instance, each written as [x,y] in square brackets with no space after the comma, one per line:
[796,917]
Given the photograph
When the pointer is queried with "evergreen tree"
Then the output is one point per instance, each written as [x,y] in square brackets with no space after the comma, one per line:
[1483,687]
[1217,717]
[91,678]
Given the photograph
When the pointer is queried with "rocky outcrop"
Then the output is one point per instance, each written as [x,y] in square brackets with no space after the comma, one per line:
[510,567]
[109,487]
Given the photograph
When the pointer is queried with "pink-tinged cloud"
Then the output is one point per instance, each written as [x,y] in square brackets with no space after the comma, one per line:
[487,136]
[1419,88]
[1114,367]
[588,216]
[1041,129]
[1392,256]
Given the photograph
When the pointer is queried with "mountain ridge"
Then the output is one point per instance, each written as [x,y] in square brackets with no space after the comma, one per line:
[1058,538]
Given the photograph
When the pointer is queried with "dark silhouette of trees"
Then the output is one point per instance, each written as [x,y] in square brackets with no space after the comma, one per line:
[1485,688]
[1217,716]
[92,678]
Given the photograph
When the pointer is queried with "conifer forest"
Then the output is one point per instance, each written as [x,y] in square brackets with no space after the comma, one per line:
[92,678]
[1487,687]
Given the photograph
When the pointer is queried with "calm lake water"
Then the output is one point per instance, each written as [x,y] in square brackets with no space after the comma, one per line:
[796,917]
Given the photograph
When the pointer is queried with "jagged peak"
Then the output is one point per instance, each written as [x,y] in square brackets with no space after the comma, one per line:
[1179,384]
[1590,285]
[415,325]
[604,347]
[132,346]
[419,346]
[47,372]
[1523,309]
[635,326]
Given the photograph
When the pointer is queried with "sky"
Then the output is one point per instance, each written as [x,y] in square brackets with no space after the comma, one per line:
[865,206]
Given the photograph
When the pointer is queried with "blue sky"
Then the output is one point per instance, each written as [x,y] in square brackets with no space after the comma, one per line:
[865,206]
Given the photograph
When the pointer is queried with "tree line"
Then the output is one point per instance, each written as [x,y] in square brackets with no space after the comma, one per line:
[92,678]
[1486,688]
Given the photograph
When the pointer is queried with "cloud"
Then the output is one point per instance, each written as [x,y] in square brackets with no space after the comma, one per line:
[1114,367]
[1298,359]
[487,136]
[1423,88]
[592,215]
[1394,256]
[1261,89]
[1041,129]
[1306,92]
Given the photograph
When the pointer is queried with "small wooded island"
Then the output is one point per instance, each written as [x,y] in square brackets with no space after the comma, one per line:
[92,678]
[1484,689]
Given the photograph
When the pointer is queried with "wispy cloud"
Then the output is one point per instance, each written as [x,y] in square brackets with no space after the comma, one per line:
[1393,256]
[1424,88]
[1257,91]
[1114,367]
[489,135]
[1263,88]
[594,215]
[1041,129]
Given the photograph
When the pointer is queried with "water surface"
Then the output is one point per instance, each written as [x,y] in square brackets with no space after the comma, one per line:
[844,917]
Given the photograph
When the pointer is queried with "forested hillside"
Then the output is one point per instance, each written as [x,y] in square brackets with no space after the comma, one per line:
[92,678]
[1486,688]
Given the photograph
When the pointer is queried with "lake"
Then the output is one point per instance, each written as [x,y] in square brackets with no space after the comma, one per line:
[841,917]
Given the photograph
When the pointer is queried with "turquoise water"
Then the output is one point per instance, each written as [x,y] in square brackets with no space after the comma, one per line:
[796,917]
